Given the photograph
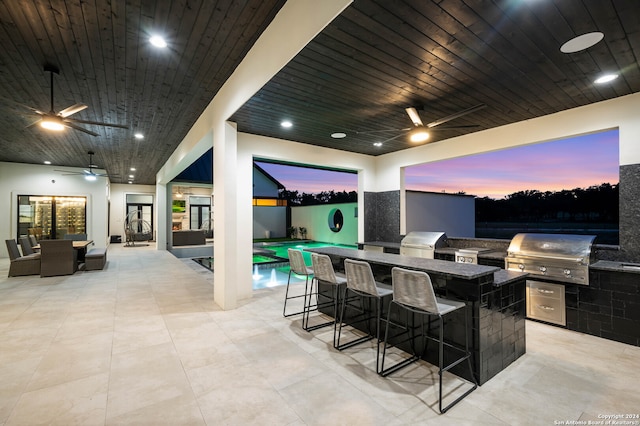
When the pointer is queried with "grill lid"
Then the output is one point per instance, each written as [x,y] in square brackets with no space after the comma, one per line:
[568,247]
[422,239]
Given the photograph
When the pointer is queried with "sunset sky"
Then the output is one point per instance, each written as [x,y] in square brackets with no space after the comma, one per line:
[311,181]
[576,162]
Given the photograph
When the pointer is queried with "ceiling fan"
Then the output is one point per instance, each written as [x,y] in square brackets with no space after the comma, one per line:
[88,174]
[53,120]
[421,132]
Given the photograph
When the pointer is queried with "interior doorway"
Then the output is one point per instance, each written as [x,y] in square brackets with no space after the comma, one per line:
[145,212]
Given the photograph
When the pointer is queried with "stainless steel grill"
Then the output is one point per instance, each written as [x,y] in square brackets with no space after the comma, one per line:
[422,244]
[560,257]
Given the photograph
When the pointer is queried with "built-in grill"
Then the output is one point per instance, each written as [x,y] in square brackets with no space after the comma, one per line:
[422,244]
[559,257]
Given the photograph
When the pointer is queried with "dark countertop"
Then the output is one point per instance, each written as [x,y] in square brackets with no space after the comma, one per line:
[493,254]
[458,270]
[381,244]
[609,265]
[503,277]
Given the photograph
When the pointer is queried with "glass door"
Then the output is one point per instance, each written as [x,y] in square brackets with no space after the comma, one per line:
[145,212]
[198,214]
[199,211]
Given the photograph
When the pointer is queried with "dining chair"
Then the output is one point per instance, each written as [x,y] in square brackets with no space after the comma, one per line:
[58,257]
[25,245]
[21,265]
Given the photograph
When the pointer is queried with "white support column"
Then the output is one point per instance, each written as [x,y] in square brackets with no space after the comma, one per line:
[163,217]
[293,27]
[228,259]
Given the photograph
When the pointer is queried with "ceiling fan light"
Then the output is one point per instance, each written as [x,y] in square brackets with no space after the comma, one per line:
[158,41]
[90,177]
[52,124]
[419,134]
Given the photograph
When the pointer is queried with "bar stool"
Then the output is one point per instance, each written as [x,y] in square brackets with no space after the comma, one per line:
[413,292]
[298,267]
[323,271]
[361,283]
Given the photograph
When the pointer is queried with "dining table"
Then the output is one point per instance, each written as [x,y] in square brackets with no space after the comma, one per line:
[79,245]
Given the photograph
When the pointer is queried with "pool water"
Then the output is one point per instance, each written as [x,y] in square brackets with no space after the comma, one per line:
[270,261]
[281,249]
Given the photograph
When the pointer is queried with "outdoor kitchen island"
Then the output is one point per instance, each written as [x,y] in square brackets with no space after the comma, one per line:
[495,300]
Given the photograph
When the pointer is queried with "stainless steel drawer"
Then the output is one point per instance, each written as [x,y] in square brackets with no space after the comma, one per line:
[545,302]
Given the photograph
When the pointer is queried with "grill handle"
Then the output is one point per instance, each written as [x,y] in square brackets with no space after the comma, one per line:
[546,308]
[542,256]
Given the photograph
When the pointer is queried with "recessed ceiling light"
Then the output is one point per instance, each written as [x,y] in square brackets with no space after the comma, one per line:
[338,135]
[581,42]
[133,169]
[377,144]
[131,176]
[286,124]
[157,41]
[130,182]
[139,136]
[606,78]
[47,162]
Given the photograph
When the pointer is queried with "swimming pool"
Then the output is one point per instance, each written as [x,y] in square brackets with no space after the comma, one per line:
[280,250]
[271,260]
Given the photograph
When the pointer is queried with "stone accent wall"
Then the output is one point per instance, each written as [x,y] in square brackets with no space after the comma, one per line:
[629,213]
[382,216]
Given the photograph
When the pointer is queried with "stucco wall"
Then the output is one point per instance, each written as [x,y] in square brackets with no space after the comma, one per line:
[452,214]
[31,179]
[272,219]
[316,220]
[118,205]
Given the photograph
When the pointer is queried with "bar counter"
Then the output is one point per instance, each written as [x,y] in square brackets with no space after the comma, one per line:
[495,300]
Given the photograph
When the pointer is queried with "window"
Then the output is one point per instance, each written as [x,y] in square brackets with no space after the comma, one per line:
[51,217]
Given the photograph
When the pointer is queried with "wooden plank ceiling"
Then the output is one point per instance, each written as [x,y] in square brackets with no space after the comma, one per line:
[101,48]
[357,76]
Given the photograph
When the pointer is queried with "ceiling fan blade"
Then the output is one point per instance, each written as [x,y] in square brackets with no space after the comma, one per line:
[34,123]
[413,115]
[68,172]
[456,115]
[72,110]
[97,123]
[395,137]
[73,126]
[370,132]
[470,126]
